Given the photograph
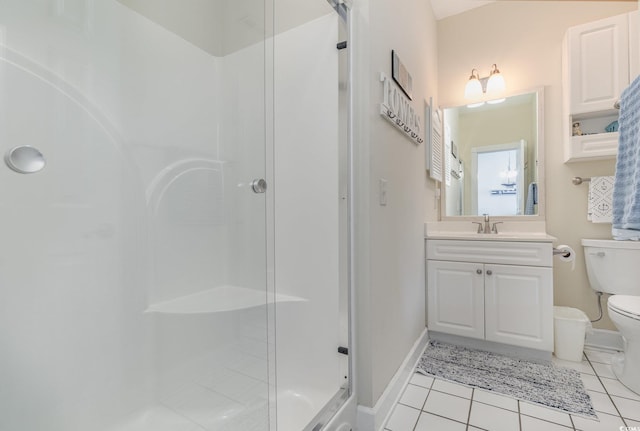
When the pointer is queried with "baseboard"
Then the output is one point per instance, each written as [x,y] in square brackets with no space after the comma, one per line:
[604,339]
[374,418]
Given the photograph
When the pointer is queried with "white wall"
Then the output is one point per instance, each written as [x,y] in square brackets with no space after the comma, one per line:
[390,284]
[525,39]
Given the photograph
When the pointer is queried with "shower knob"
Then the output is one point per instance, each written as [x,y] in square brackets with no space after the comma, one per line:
[259,185]
[24,159]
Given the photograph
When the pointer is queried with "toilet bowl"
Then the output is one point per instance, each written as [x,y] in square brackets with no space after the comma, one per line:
[624,312]
[612,267]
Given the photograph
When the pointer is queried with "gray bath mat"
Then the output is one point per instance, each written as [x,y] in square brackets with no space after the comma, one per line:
[555,387]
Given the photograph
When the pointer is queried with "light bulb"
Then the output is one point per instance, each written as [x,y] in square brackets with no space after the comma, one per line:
[473,89]
[495,86]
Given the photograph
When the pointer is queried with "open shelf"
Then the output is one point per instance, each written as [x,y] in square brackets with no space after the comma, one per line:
[599,146]
[216,300]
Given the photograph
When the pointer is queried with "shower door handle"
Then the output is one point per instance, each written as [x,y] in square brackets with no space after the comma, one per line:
[259,185]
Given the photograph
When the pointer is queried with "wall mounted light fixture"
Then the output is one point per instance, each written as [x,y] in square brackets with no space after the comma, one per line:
[490,89]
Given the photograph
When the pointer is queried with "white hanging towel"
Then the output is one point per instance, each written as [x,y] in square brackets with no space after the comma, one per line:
[600,207]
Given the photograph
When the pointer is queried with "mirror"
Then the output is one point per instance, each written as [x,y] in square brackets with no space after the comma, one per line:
[491,158]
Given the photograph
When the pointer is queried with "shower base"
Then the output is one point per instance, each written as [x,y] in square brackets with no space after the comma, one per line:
[204,411]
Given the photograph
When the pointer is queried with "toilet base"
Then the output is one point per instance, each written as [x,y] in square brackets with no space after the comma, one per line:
[625,366]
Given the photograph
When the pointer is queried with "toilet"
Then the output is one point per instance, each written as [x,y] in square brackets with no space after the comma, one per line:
[613,267]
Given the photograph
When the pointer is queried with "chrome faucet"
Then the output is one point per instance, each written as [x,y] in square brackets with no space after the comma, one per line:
[486,226]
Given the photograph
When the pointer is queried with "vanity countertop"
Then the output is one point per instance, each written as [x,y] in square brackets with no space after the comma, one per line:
[509,231]
[508,236]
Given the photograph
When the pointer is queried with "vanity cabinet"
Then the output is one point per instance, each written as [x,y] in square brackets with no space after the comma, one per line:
[455,298]
[499,291]
[600,59]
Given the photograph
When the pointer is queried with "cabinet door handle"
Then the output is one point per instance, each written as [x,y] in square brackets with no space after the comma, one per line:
[478,271]
[489,272]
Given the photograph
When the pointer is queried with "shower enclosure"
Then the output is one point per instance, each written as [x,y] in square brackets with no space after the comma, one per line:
[174,236]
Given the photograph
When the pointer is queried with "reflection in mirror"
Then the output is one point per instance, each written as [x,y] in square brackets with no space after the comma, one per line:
[491,158]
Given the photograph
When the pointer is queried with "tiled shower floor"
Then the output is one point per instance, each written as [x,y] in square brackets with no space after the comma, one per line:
[429,404]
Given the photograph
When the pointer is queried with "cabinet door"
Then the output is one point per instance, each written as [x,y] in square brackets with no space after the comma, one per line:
[598,63]
[519,305]
[455,298]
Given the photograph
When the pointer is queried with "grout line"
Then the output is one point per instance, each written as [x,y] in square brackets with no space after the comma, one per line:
[444,417]
[453,395]
[407,405]
[424,402]
[417,420]
[421,409]
[507,409]
[500,407]
[607,392]
[617,395]
[425,398]
[548,420]
[420,386]
[473,391]
[584,355]
[518,403]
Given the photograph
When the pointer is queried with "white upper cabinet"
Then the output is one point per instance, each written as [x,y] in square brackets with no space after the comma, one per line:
[598,63]
[600,59]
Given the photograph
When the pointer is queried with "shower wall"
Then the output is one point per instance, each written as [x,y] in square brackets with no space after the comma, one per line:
[145,200]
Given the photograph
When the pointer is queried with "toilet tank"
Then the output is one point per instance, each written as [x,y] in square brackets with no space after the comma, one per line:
[613,266]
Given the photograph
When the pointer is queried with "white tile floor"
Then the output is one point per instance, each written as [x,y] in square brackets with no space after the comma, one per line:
[429,404]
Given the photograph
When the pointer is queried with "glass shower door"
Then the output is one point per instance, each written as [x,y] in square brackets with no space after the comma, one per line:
[133,270]
[311,247]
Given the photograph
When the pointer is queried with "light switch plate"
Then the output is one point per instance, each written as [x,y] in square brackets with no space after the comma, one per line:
[383,191]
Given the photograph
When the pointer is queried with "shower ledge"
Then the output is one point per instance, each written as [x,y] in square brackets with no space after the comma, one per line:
[217,300]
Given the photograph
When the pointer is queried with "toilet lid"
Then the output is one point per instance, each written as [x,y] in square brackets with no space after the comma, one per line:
[626,304]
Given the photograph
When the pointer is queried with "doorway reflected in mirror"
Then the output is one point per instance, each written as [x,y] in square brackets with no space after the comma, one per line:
[495,145]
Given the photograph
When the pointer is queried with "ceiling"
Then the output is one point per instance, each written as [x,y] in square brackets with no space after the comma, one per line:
[445,8]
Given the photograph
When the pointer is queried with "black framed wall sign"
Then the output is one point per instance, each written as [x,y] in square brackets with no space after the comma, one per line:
[401,76]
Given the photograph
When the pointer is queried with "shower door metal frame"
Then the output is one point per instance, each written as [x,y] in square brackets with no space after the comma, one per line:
[343,9]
